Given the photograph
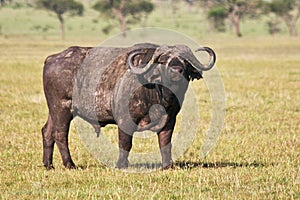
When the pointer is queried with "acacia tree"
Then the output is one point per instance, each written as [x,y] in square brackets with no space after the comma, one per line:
[123,10]
[234,10]
[217,16]
[60,7]
[288,11]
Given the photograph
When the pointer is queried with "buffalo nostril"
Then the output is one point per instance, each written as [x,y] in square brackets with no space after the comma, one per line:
[177,69]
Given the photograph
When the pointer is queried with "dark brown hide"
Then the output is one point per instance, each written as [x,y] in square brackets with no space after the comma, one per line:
[97,85]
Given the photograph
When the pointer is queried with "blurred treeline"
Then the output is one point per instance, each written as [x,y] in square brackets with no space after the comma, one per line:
[219,16]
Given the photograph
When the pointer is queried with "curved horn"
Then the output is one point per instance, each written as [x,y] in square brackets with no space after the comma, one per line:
[212,60]
[134,69]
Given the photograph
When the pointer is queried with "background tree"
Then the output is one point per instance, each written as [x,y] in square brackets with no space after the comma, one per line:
[2,2]
[273,24]
[124,10]
[60,7]
[235,10]
[174,5]
[288,11]
[217,16]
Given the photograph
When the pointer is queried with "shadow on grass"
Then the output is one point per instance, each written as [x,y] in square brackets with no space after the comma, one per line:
[183,165]
[91,166]
[187,165]
[191,165]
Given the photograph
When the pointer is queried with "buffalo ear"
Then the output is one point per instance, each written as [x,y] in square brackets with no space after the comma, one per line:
[193,73]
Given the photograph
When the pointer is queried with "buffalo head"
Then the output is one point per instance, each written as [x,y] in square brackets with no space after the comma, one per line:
[170,62]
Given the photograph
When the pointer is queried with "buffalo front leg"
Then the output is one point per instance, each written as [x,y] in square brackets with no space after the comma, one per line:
[48,144]
[125,144]
[164,140]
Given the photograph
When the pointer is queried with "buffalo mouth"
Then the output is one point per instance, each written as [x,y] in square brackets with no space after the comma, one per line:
[176,72]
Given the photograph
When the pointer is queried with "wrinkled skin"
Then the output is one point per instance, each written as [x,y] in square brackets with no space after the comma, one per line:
[64,71]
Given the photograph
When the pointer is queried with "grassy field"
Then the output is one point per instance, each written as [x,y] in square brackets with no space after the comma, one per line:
[256,157]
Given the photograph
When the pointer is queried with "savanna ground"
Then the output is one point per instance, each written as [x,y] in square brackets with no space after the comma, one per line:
[257,155]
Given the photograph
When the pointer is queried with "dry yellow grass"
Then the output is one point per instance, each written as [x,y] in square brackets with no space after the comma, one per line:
[257,155]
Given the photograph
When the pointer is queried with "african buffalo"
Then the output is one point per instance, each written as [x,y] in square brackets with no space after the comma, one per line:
[141,87]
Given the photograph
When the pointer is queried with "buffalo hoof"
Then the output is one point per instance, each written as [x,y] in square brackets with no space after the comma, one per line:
[49,167]
[169,166]
[122,164]
[69,165]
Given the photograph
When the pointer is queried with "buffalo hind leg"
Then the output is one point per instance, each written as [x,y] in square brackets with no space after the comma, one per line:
[48,144]
[61,124]
[125,144]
